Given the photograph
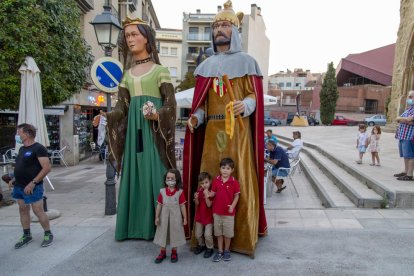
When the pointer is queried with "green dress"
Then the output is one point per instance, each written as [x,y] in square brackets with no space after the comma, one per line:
[143,165]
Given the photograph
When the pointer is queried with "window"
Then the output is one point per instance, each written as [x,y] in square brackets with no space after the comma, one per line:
[173,51]
[288,84]
[193,33]
[173,72]
[193,50]
[207,33]
[164,50]
[193,30]
[298,84]
[281,84]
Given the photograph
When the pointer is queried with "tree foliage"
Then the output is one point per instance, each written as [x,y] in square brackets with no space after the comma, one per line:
[187,83]
[328,96]
[48,31]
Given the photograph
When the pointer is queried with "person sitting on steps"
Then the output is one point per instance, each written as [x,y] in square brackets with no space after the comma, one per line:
[279,159]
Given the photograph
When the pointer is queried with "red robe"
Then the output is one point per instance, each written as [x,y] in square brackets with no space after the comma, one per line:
[193,148]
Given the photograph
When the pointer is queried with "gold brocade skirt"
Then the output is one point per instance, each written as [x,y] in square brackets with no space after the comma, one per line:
[218,145]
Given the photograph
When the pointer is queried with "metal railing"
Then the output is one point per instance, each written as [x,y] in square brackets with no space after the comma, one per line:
[198,37]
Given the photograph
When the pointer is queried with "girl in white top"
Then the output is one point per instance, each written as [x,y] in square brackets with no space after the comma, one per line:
[374,146]
[362,141]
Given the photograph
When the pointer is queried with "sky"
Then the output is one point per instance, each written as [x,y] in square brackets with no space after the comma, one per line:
[306,34]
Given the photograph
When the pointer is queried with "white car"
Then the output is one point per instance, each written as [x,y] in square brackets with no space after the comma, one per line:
[379,120]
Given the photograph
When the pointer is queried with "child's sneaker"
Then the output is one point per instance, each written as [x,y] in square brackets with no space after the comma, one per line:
[47,240]
[199,249]
[226,256]
[208,253]
[218,257]
[359,161]
[25,239]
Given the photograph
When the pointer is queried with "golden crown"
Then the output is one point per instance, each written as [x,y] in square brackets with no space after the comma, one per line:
[228,14]
[129,21]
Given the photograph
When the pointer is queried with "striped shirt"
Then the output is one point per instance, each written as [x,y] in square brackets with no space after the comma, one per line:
[405,131]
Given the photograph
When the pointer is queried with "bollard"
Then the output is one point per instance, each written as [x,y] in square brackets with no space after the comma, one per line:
[44,203]
[110,192]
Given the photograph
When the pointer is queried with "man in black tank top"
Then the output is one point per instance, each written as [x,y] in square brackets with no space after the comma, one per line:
[32,165]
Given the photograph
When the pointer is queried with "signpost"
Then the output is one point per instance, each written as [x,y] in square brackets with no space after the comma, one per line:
[106,73]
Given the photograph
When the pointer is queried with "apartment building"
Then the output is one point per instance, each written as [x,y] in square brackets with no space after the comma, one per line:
[255,42]
[170,52]
[197,38]
[287,85]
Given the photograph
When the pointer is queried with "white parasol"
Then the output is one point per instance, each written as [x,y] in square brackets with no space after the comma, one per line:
[31,104]
[184,98]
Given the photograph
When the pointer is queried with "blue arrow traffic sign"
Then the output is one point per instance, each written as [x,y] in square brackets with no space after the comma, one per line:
[106,73]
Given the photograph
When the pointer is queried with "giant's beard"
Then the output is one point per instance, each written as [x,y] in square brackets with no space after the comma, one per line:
[221,39]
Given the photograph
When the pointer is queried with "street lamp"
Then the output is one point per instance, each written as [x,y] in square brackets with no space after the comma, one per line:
[107,29]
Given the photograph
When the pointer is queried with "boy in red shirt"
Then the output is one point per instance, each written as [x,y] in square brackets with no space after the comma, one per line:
[204,216]
[226,191]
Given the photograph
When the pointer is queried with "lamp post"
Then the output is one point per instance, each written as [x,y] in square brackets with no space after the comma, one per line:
[107,29]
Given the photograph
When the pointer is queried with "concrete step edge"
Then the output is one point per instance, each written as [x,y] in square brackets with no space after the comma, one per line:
[373,200]
[323,195]
[355,197]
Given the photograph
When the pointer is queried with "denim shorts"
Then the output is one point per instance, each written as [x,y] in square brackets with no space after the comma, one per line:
[362,149]
[406,148]
[18,193]
[280,173]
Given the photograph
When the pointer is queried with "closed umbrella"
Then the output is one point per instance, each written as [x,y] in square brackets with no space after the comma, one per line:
[31,104]
[31,111]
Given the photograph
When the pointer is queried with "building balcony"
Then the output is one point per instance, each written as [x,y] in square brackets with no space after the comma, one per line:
[199,37]
[191,58]
[85,5]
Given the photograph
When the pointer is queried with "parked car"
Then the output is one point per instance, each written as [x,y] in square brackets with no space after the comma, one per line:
[312,121]
[272,121]
[340,120]
[379,120]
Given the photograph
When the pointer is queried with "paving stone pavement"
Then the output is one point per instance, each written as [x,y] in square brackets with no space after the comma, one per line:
[304,237]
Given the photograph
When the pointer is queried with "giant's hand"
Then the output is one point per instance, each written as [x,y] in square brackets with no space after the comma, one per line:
[238,107]
[152,116]
[192,122]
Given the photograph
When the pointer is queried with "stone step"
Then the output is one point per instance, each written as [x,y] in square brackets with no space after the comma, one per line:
[320,165]
[358,192]
[329,194]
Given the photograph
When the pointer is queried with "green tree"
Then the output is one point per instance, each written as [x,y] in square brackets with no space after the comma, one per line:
[188,82]
[48,31]
[328,96]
